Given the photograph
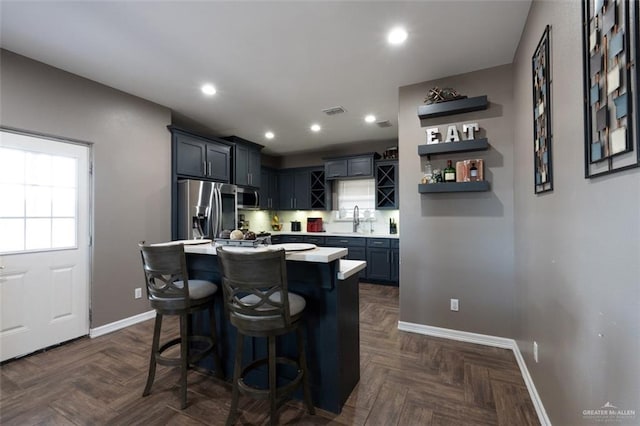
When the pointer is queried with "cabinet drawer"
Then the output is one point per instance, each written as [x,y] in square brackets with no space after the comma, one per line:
[292,239]
[378,242]
[395,243]
[319,241]
[345,241]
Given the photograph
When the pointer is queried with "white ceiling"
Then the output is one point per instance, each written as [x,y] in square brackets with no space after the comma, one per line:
[276,65]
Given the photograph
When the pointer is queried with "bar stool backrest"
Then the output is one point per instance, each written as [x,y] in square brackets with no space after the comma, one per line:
[255,288]
[165,272]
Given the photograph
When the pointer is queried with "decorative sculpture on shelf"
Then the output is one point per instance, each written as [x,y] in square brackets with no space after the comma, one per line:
[437,95]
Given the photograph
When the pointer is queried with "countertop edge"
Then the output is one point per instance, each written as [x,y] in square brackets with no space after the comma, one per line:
[347,268]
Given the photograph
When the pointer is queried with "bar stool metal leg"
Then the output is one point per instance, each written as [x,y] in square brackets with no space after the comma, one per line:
[214,335]
[272,382]
[154,350]
[237,370]
[184,361]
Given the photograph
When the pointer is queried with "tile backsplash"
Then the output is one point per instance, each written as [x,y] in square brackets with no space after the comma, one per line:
[377,224]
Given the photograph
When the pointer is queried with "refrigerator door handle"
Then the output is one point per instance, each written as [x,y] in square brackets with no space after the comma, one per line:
[211,227]
[217,211]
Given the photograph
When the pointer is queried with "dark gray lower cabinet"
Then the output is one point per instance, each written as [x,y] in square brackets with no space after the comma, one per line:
[312,239]
[355,245]
[381,254]
[395,261]
[383,260]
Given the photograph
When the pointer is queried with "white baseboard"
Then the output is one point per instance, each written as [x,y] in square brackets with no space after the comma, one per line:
[484,339]
[117,325]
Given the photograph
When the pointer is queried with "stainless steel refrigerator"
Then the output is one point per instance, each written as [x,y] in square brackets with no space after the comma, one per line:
[205,209]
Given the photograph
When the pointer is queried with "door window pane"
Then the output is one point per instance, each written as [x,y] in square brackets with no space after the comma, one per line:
[11,165]
[39,201]
[12,196]
[63,202]
[63,233]
[11,235]
[38,234]
[38,169]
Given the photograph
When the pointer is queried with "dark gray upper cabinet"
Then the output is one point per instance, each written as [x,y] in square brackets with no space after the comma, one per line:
[387,184]
[269,189]
[200,157]
[335,169]
[360,166]
[246,161]
[294,188]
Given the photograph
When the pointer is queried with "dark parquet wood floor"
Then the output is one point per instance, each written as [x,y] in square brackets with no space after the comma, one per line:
[406,379]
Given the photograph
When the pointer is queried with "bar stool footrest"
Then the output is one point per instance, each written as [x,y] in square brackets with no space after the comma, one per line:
[281,391]
[194,355]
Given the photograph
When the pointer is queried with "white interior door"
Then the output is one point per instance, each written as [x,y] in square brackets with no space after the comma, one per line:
[44,242]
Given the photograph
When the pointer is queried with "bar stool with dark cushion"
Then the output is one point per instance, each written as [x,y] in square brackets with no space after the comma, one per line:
[171,292]
[259,304]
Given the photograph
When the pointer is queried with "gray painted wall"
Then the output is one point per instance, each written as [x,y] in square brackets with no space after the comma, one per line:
[132,153]
[459,245]
[577,248]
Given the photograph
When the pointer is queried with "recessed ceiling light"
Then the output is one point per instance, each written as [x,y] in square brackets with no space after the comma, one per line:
[315,127]
[370,118]
[269,135]
[208,89]
[397,36]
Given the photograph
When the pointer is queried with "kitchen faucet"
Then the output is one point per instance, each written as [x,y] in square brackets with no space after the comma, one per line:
[356,218]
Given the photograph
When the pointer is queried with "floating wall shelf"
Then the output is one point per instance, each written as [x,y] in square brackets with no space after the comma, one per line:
[452,107]
[462,146]
[427,188]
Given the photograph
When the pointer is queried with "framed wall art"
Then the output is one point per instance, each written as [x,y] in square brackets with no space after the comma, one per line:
[611,75]
[542,137]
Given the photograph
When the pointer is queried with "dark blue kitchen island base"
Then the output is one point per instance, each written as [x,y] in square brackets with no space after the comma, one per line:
[331,329]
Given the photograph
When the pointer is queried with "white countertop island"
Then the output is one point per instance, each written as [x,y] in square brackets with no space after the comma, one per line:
[346,268]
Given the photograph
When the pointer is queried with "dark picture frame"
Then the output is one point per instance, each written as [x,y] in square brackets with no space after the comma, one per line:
[542,130]
[610,42]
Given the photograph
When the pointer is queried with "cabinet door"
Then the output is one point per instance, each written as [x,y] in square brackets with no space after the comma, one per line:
[286,189]
[395,266]
[361,166]
[378,263]
[191,156]
[218,162]
[254,168]
[335,169]
[241,162]
[302,191]
[264,194]
[273,190]
[386,176]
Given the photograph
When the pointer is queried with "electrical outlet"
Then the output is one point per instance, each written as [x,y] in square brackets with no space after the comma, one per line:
[137,293]
[454,305]
[535,351]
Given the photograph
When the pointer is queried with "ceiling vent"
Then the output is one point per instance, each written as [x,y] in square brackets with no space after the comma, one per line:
[384,123]
[334,110]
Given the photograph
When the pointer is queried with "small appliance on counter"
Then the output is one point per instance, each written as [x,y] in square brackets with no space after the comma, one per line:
[295,226]
[393,226]
[314,224]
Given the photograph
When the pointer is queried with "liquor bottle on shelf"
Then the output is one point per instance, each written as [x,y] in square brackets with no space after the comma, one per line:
[428,173]
[449,173]
[473,172]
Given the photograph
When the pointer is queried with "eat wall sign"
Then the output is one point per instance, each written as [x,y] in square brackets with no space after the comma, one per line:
[452,134]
